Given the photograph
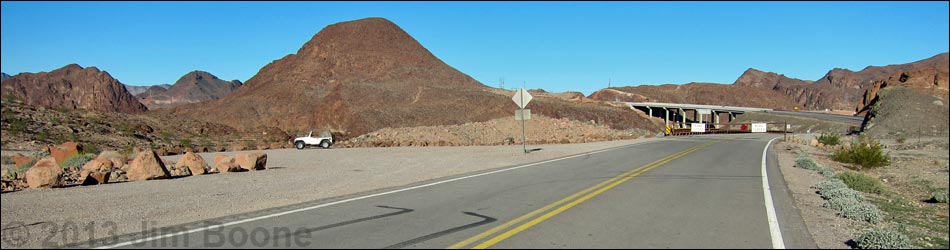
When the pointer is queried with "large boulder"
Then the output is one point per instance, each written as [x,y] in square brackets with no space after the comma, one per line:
[226,163]
[44,174]
[252,161]
[96,171]
[194,162]
[116,159]
[63,151]
[147,166]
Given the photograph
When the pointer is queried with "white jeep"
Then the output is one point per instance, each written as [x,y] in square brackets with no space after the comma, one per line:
[324,141]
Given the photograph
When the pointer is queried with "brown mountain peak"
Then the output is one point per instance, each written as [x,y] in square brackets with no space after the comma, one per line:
[72,87]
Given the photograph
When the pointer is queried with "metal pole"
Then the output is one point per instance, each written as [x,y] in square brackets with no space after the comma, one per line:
[524,140]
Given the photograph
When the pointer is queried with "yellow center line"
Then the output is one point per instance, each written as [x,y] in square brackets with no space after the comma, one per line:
[611,182]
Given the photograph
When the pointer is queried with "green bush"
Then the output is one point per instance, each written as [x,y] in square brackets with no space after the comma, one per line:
[840,203]
[939,196]
[830,184]
[861,182]
[803,161]
[39,155]
[862,212]
[845,193]
[867,153]
[77,160]
[879,238]
[829,139]
[828,172]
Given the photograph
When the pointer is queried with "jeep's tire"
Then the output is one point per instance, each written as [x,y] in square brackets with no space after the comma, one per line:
[325,144]
[299,144]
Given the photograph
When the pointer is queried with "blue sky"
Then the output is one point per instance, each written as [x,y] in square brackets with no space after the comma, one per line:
[558,46]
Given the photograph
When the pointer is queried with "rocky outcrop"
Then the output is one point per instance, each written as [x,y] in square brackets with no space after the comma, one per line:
[251,161]
[931,81]
[194,87]
[4,77]
[147,166]
[45,173]
[842,89]
[72,87]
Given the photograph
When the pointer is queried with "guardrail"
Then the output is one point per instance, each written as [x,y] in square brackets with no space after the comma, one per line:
[727,128]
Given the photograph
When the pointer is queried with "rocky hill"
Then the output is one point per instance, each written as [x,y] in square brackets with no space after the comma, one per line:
[135,90]
[839,89]
[196,86]
[697,93]
[4,77]
[26,127]
[360,76]
[905,112]
[72,87]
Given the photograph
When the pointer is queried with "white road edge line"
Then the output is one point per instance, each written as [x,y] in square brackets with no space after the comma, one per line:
[355,199]
[776,232]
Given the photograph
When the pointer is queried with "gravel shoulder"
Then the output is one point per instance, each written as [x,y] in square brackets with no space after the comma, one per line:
[827,229]
[41,218]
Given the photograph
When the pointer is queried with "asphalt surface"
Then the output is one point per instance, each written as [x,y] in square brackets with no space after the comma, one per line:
[682,192]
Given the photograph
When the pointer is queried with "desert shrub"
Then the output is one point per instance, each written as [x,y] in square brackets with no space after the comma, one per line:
[840,203]
[803,161]
[39,155]
[845,193]
[829,139]
[862,212]
[861,182]
[830,184]
[939,196]
[867,153]
[77,160]
[828,172]
[879,238]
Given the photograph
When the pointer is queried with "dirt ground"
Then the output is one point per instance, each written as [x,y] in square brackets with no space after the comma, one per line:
[916,169]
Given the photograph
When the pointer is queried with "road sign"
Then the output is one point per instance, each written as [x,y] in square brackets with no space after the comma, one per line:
[522,114]
[521,98]
[668,130]
[759,128]
[698,128]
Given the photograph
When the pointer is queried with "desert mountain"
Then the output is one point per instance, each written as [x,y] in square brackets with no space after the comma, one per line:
[842,89]
[135,90]
[196,86]
[4,77]
[360,76]
[72,87]
[697,93]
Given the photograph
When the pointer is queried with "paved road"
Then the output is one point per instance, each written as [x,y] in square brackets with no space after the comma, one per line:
[833,117]
[683,192]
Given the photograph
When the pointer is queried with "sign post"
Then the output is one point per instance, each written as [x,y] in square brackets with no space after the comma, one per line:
[521,98]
